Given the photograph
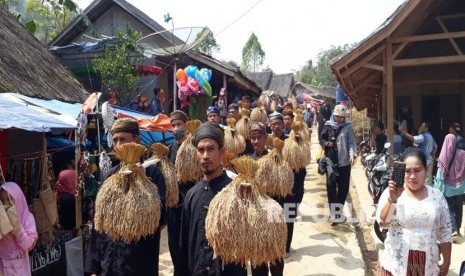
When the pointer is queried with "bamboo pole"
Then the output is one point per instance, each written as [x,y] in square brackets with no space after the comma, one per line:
[78,207]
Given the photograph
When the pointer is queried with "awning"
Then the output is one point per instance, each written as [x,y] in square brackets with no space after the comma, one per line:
[153,129]
[18,111]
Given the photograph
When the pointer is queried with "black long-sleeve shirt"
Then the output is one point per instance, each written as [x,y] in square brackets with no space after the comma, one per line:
[197,255]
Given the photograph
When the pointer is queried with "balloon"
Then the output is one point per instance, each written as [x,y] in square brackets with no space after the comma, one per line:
[207,88]
[200,79]
[181,75]
[206,73]
[190,71]
[183,88]
[181,96]
[184,104]
[193,84]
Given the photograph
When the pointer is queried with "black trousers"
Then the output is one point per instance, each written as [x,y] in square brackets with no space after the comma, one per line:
[338,188]
[276,269]
[173,222]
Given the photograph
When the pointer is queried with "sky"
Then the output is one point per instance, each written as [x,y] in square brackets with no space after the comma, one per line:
[291,32]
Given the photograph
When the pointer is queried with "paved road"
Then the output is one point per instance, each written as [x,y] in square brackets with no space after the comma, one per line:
[359,182]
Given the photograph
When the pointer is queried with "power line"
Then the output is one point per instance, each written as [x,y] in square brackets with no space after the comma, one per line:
[237,19]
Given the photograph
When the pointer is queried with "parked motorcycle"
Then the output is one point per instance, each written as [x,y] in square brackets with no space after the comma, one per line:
[365,150]
[379,174]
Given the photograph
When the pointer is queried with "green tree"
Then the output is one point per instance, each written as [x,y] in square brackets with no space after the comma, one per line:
[323,74]
[117,68]
[306,73]
[231,63]
[208,45]
[47,18]
[253,55]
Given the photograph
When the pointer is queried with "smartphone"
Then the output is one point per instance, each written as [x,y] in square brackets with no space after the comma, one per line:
[398,174]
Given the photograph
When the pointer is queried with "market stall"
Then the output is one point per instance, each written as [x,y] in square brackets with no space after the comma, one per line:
[25,125]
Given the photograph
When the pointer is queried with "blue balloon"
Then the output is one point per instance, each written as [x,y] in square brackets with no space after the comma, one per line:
[206,73]
[191,70]
[200,79]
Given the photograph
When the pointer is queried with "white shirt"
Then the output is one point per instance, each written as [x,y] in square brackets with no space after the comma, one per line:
[416,225]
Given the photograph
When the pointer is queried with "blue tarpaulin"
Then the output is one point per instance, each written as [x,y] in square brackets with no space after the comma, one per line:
[16,112]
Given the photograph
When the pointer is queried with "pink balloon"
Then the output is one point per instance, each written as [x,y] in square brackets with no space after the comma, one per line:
[193,84]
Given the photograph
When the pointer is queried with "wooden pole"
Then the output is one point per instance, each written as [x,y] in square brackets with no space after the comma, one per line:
[389,92]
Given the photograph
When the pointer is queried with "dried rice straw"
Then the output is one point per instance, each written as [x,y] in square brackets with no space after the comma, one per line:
[233,141]
[160,152]
[128,204]
[296,150]
[259,115]
[243,125]
[244,225]
[228,156]
[305,130]
[274,175]
[187,166]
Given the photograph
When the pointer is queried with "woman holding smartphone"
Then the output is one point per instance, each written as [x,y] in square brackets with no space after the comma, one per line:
[418,219]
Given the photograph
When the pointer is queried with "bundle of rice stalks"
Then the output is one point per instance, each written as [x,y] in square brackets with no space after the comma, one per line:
[187,167]
[274,175]
[296,150]
[242,224]
[259,115]
[228,156]
[233,141]
[160,152]
[305,130]
[128,204]
[243,125]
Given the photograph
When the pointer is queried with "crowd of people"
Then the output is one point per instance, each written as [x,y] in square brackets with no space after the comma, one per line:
[425,212]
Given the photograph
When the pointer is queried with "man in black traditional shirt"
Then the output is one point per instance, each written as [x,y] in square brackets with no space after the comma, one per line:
[107,257]
[178,120]
[197,255]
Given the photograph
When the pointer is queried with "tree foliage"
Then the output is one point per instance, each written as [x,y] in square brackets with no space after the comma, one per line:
[47,18]
[208,45]
[118,66]
[253,55]
[321,75]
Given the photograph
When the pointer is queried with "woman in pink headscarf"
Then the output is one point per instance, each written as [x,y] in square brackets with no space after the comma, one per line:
[14,248]
[450,179]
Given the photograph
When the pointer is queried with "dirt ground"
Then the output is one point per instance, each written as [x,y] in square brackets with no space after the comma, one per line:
[317,247]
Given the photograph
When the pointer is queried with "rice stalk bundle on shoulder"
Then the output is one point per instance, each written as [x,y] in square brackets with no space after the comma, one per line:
[187,166]
[243,125]
[242,224]
[160,152]
[128,204]
[296,150]
[227,158]
[233,141]
[274,175]
[305,130]
[259,115]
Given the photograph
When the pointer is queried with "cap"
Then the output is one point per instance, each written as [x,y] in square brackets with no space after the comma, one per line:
[276,115]
[340,110]
[309,105]
[233,106]
[213,109]
[179,115]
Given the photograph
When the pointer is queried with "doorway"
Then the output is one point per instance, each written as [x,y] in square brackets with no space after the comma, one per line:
[440,112]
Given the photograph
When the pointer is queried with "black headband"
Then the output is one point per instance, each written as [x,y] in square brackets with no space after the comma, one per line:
[209,130]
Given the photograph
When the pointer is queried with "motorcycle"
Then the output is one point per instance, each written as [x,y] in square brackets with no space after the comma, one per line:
[365,150]
[379,175]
